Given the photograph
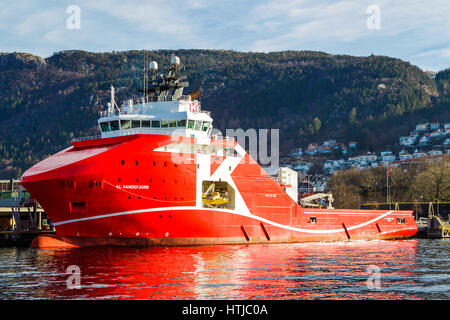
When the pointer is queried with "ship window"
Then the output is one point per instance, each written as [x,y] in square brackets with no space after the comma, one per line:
[164,124]
[205,126]
[191,124]
[172,123]
[105,126]
[125,124]
[198,125]
[182,123]
[312,220]
[136,123]
[145,123]
[156,124]
[230,152]
[400,220]
[114,125]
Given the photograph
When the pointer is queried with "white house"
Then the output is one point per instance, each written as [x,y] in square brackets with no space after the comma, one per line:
[388,158]
[296,152]
[435,153]
[435,125]
[436,133]
[330,143]
[418,154]
[405,156]
[425,139]
[407,140]
[422,127]
[447,128]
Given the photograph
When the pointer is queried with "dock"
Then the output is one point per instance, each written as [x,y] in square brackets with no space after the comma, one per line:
[437,227]
[21,217]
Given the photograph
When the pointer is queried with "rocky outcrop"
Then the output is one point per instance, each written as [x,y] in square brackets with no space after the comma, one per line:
[19,60]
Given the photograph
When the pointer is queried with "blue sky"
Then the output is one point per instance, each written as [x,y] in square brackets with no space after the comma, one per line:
[412,30]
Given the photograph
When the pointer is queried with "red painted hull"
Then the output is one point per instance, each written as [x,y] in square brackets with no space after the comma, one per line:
[121,192]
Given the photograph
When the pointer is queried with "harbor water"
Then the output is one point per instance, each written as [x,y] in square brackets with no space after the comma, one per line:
[407,269]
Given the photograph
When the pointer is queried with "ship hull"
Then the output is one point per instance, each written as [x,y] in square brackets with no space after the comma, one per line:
[132,191]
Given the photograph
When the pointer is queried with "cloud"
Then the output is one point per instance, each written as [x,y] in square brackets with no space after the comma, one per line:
[413,30]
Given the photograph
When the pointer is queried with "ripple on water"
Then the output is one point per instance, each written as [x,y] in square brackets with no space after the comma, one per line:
[411,269]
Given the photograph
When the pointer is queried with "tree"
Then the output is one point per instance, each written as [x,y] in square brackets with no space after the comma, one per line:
[317,124]
[433,184]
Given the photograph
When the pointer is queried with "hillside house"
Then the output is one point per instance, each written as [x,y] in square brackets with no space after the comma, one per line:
[436,134]
[405,156]
[352,144]
[418,154]
[425,139]
[388,158]
[435,125]
[422,127]
[447,128]
[435,153]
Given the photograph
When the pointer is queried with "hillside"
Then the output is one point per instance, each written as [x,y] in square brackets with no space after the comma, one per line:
[309,96]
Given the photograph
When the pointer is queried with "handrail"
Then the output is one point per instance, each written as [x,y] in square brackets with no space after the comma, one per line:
[86,138]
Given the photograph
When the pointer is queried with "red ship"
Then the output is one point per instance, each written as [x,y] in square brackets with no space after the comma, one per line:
[158,176]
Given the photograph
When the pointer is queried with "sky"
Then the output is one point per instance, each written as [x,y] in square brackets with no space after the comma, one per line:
[412,30]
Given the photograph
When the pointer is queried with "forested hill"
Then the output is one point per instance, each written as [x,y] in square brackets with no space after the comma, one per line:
[309,96]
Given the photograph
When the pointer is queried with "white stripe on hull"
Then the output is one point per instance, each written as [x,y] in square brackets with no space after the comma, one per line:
[227,211]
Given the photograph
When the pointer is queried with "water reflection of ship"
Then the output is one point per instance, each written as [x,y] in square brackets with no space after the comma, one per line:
[296,271]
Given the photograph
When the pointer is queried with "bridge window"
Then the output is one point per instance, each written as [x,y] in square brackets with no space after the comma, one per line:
[105,126]
[205,126]
[136,123]
[164,123]
[114,125]
[125,124]
[145,123]
[172,123]
[198,125]
[182,123]
[156,124]
[191,124]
